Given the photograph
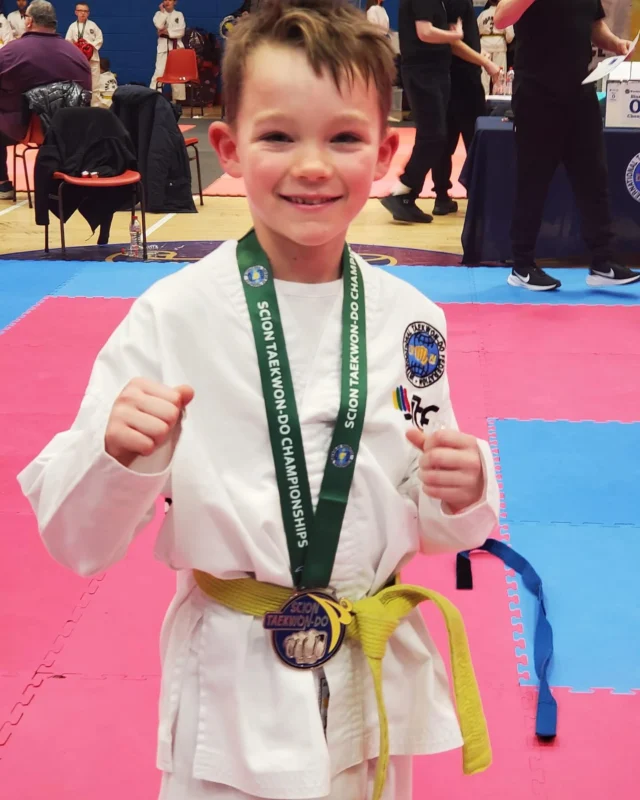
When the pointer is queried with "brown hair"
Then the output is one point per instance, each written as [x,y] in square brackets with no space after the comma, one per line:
[334,35]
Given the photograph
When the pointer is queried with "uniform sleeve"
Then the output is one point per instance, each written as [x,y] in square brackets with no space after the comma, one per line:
[160,19]
[425,10]
[88,506]
[441,531]
[70,31]
[600,14]
[99,39]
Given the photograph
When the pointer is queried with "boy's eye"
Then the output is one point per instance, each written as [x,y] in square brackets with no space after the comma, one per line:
[346,138]
[275,136]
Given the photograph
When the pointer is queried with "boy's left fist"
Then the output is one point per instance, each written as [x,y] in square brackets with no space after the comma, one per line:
[450,467]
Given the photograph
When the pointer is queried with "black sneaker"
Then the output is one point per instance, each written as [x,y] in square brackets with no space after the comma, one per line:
[611,274]
[6,190]
[404,208]
[533,278]
[444,206]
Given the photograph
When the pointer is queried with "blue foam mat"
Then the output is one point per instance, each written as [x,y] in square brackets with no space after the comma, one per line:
[571,472]
[23,284]
[589,577]
[116,279]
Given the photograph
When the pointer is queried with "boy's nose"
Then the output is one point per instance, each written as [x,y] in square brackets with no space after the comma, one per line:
[312,165]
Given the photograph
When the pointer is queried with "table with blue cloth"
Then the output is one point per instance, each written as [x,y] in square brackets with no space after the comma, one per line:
[489,175]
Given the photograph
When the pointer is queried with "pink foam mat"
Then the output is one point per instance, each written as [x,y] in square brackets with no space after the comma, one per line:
[84,738]
[41,601]
[547,329]
[552,385]
[102,642]
[49,372]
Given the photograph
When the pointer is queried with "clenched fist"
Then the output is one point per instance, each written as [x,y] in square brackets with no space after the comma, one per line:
[142,417]
[450,467]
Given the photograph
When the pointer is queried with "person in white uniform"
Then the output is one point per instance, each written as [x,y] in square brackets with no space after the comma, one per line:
[493,43]
[16,19]
[86,29]
[377,14]
[6,31]
[171,27]
[237,387]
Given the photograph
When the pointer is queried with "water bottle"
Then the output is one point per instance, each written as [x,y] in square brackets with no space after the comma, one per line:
[509,84]
[135,238]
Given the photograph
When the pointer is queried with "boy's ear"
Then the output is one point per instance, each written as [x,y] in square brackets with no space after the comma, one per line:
[223,141]
[387,150]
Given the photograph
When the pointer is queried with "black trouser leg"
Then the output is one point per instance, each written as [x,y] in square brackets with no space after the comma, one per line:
[586,163]
[428,93]
[540,132]
[4,171]
[466,104]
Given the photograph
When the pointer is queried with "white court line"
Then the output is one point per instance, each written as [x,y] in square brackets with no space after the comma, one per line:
[13,207]
[159,224]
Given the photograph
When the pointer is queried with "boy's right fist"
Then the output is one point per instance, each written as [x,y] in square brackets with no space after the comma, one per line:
[142,418]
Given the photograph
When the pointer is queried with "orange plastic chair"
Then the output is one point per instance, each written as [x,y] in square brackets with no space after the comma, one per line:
[128,178]
[182,67]
[32,140]
[192,141]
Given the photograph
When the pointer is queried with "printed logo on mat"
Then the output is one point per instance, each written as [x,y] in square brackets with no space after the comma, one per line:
[633,178]
[413,410]
[424,354]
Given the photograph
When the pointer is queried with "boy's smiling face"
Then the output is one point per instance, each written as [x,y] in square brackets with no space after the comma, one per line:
[308,153]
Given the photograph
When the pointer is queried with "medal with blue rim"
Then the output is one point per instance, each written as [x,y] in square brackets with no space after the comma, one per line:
[311,625]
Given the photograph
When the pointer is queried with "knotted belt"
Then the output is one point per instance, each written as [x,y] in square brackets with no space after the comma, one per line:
[373,623]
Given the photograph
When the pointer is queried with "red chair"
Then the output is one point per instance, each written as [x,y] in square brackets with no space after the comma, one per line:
[32,140]
[128,178]
[192,141]
[182,67]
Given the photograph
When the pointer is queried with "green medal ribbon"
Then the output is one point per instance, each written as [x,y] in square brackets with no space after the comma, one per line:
[312,539]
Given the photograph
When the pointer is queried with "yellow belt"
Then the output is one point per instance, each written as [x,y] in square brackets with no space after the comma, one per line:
[373,623]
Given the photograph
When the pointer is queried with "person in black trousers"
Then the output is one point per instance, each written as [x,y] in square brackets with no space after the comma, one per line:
[466,102]
[557,120]
[426,34]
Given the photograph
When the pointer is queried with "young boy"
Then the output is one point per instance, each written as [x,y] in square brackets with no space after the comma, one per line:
[87,30]
[108,84]
[193,398]
[171,27]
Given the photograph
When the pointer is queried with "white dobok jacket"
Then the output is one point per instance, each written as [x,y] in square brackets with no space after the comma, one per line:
[259,726]
[90,33]
[176,26]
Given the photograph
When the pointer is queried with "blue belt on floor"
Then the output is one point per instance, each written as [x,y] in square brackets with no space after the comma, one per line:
[547,712]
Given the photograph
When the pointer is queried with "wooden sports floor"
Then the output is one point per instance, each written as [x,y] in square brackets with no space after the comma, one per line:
[222,218]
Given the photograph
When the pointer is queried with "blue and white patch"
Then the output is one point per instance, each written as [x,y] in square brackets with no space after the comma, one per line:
[632,178]
[342,456]
[256,276]
[424,354]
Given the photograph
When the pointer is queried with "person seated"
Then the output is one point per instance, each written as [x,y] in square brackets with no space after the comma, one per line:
[39,57]
[107,85]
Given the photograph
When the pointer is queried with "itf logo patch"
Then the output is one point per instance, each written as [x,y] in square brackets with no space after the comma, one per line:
[423,348]
[633,178]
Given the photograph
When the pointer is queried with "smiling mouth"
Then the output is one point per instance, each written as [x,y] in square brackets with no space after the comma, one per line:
[309,201]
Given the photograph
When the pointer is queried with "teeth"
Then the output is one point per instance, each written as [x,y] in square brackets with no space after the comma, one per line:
[307,201]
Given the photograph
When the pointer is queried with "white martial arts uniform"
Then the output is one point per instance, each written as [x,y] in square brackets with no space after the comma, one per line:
[234,721]
[176,27]
[493,44]
[107,87]
[16,20]
[91,33]
[378,16]
[6,31]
